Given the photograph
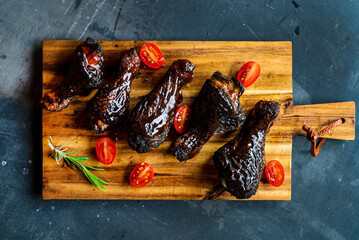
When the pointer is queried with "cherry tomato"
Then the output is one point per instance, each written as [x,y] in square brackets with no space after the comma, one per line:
[275,173]
[182,118]
[93,58]
[141,175]
[106,150]
[248,73]
[151,56]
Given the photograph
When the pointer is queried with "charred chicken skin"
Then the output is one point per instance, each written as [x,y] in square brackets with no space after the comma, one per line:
[151,119]
[85,74]
[217,110]
[112,102]
[242,160]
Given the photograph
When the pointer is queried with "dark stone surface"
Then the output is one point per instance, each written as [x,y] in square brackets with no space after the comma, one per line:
[325,192]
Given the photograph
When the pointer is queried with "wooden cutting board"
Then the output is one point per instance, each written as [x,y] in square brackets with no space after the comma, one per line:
[191,179]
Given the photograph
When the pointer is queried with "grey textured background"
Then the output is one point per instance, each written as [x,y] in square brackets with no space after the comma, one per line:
[325,192]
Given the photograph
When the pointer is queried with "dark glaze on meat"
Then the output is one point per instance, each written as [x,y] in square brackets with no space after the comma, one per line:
[85,74]
[217,110]
[241,161]
[151,119]
[112,102]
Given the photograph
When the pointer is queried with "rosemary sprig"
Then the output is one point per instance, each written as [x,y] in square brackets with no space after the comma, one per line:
[60,154]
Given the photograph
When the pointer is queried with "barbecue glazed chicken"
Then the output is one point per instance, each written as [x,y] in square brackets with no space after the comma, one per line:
[242,160]
[85,74]
[151,119]
[112,102]
[217,110]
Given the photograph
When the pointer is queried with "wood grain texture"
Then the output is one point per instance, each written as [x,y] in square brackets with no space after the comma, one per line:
[175,180]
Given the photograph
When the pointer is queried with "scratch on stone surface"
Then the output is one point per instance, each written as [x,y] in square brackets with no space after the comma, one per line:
[269,5]
[118,17]
[68,8]
[71,28]
[326,231]
[283,18]
[242,19]
[11,131]
[7,137]
[104,31]
[254,34]
[99,6]
[212,208]
[78,16]
[160,221]
[334,54]
[341,177]
[222,28]
[317,224]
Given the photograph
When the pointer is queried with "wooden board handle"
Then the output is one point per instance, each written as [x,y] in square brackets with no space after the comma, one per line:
[319,116]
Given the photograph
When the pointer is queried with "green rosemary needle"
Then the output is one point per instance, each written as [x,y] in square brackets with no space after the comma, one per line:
[60,154]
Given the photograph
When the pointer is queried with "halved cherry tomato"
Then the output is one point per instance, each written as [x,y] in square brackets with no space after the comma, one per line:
[141,175]
[151,56]
[248,73]
[182,118]
[106,150]
[275,173]
[93,58]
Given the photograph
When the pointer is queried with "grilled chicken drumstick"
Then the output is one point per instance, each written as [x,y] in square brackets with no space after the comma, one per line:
[85,74]
[217,110]
[112,102]
[242,160]
[151,119]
